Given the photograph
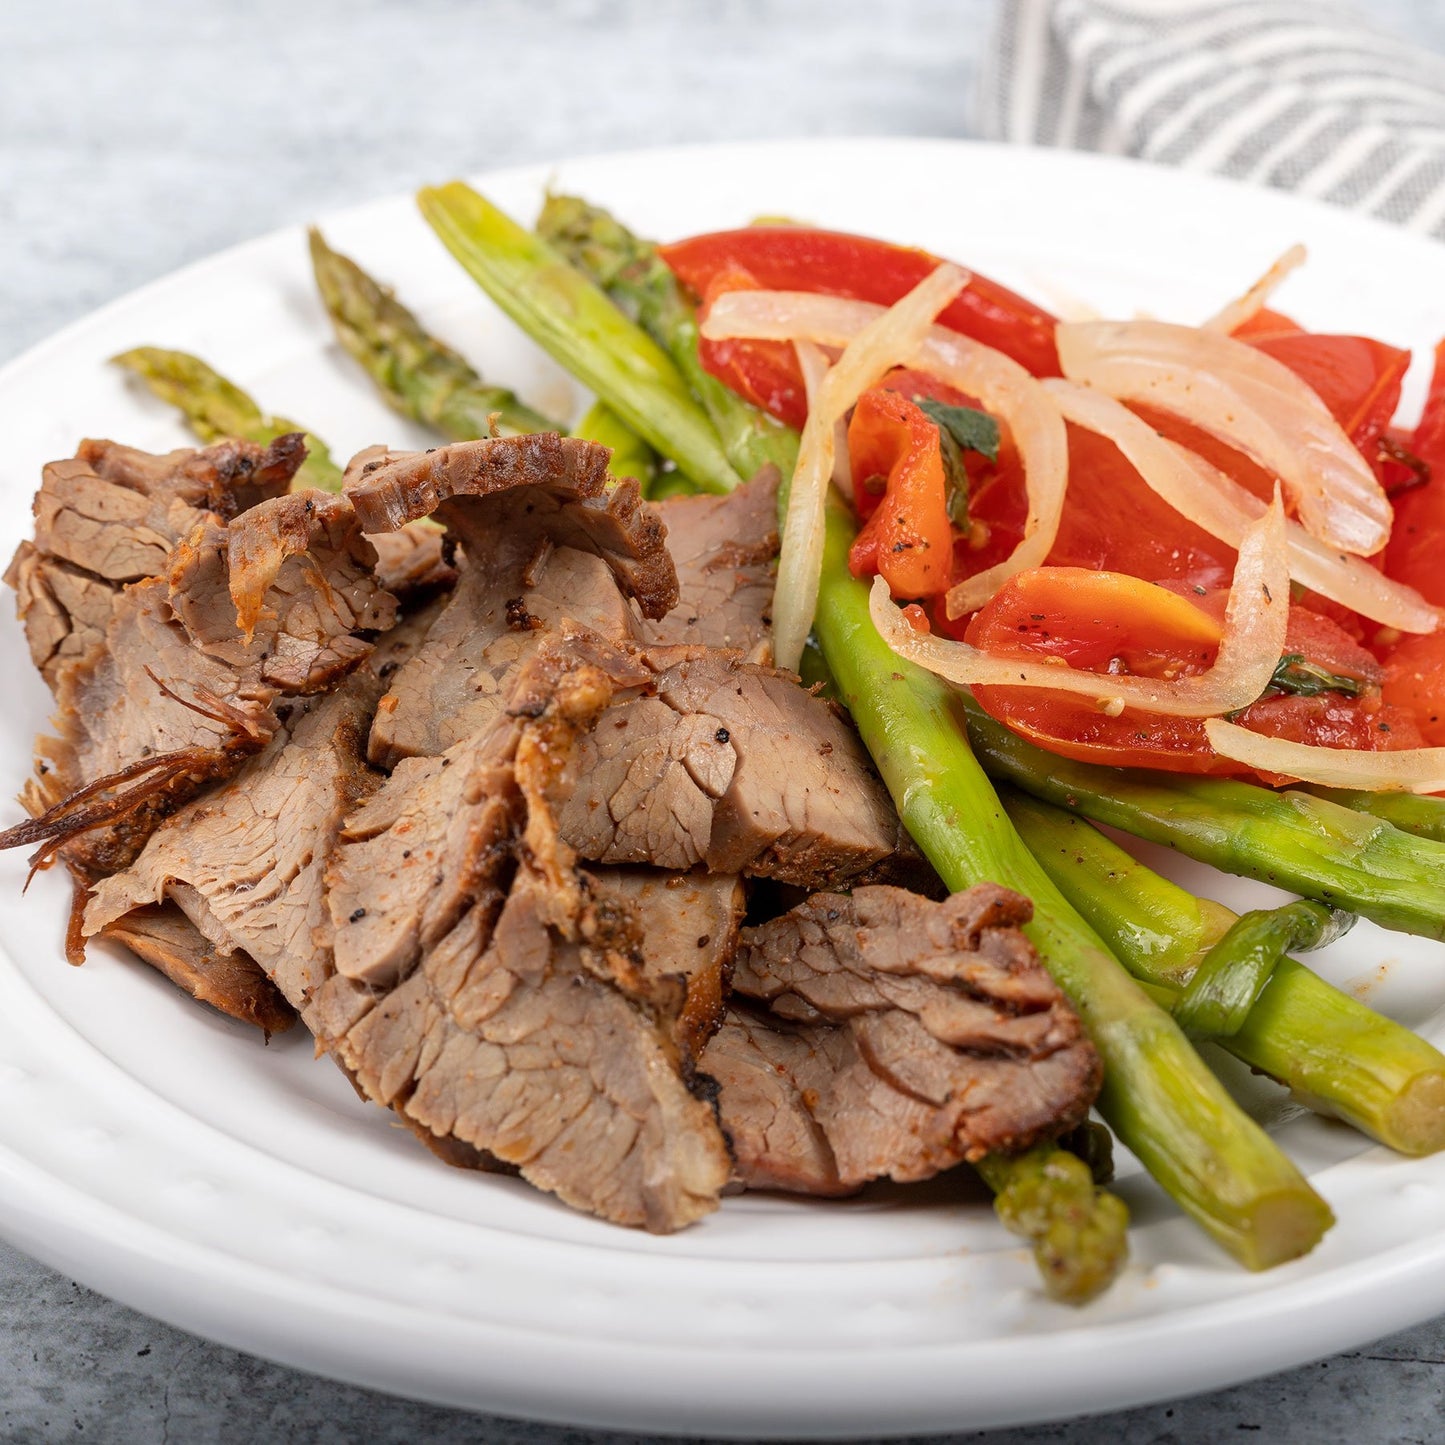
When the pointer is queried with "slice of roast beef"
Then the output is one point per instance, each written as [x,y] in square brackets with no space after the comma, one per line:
[286,596]
[724,549]
[279,602]
[64,609]
[736,767]
[547,536]
[414,564]
[111,515]
[166,939]
[487,987]
[567,499]
[689,929]
[246,860]
[459,680]
[884,1035]
[227,478]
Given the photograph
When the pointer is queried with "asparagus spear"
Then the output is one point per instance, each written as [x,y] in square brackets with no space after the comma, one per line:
[217,408]
[1302,842]
[419,375]
[1235,972]
[1158,1096]
[1078,1231]
[631,272]
[1335,1054]
[1422,815]
[570,317]
[631,456]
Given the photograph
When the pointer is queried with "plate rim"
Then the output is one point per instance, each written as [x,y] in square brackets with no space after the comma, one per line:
[66,1243]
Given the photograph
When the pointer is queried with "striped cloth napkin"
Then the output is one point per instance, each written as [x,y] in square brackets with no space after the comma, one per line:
[1304,96]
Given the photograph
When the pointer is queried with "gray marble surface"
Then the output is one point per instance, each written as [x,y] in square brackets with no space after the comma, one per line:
[137,135]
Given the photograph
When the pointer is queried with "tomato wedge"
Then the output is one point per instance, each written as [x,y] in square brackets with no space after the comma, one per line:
[1415,668]
[801,258]
[1097,621]
[1112,521]
[1415,681]
[765,373]
[1265,322]
[1358,378]
[1412,554]
[1105,622]
[899,487]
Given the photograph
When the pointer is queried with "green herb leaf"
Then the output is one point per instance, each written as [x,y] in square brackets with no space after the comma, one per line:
[973,430]
[955,480]
[1308,679]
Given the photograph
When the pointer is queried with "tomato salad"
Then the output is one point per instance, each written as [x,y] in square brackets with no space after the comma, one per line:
[1135,580]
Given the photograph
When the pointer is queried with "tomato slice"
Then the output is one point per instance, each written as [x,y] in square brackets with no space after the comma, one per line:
[900,488]
[1415,681]
[1358,378]
[1074,729]
[1112,521]
[801,258]
[1265,322]
[1412,554]
[1103,622]
[765,373]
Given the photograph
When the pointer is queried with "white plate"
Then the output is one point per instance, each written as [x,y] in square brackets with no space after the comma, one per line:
[159,1153]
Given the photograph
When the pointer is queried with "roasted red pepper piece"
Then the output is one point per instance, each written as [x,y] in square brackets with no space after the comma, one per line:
[900,489]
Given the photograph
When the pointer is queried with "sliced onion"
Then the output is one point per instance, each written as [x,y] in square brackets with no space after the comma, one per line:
[1249,400]
[1249,649]
[1002,386]
[1410,770]
[1248,306]
[888,339]
[1217,504]
[813,362]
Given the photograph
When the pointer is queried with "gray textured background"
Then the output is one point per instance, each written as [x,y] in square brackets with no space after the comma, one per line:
[135,137]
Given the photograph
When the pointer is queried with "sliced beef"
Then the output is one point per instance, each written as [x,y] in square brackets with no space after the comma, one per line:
[724,549]
[111,515]
[884,1035]
[547,537]
[689,928]
[117,512]
[246,860]
[567,499]
[286,596]
[459,680]
[491,991]
[413,564]
[166,939]
[185,685]
[64,609]
[735,767]
[227,478]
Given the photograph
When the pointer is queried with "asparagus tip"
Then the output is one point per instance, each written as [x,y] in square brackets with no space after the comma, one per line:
[1077,1262]
[1078,1231]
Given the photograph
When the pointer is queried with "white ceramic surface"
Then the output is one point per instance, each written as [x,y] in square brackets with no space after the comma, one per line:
[161,1154]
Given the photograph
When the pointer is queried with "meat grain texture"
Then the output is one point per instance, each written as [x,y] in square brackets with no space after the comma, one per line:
[486,809]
